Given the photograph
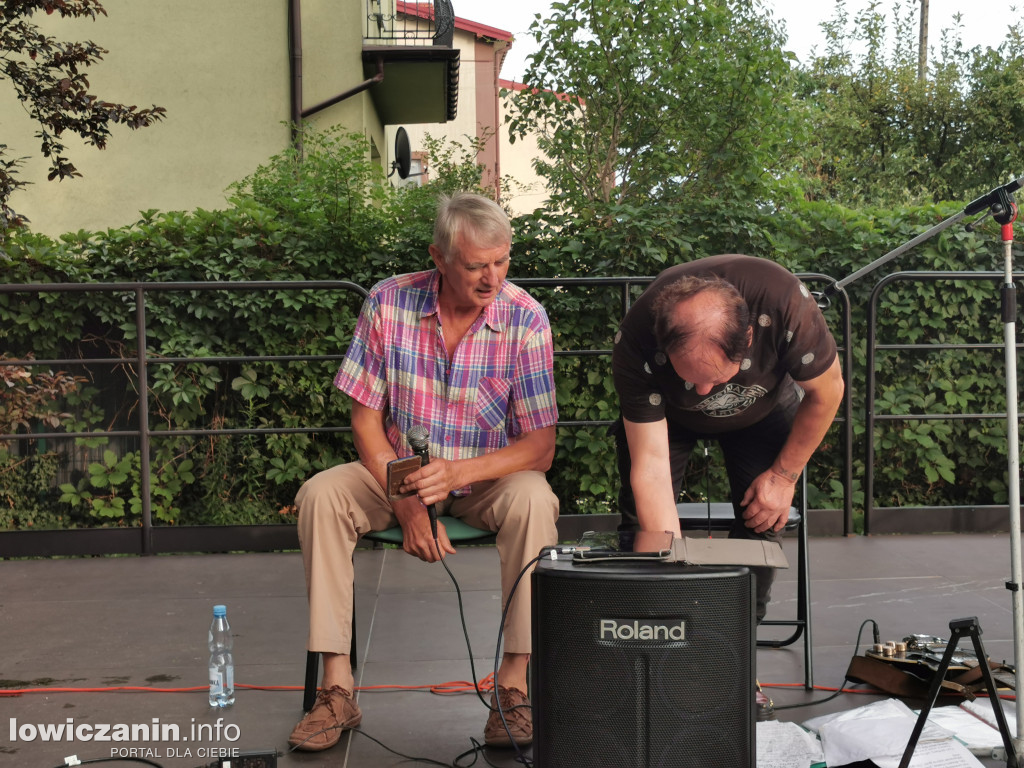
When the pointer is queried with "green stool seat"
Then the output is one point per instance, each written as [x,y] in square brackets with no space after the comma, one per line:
[456,529]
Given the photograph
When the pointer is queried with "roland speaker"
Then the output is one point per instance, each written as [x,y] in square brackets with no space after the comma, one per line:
[643,664]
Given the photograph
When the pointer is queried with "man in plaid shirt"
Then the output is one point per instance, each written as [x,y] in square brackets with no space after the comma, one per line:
[467,355]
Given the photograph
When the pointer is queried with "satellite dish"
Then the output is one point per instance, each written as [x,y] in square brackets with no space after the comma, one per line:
[403,155]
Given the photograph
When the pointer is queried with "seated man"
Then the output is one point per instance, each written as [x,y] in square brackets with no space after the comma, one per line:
[728,348]
[467,355]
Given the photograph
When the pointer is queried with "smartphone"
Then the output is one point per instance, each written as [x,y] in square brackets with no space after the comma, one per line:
[398,470]
[624,545]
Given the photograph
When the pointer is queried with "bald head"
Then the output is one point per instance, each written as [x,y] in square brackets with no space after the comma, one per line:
[695,312]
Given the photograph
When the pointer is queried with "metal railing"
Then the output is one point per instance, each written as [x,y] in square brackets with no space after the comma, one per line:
[144,540]
[873,516]
[409,23]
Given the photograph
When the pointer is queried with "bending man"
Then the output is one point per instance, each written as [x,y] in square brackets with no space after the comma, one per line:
[730,348]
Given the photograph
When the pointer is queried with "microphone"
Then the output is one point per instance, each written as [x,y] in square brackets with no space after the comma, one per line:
[419,441]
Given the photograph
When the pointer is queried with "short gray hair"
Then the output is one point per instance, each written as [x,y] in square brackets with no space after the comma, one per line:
[479,218]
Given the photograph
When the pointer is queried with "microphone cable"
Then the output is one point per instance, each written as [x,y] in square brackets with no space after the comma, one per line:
[497,650]
[846,679]
[418,437]
[462,619]
[497,654]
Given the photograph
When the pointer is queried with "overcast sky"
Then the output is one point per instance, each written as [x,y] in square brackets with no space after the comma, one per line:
[981,21]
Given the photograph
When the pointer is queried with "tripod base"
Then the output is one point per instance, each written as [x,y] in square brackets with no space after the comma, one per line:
[958,628]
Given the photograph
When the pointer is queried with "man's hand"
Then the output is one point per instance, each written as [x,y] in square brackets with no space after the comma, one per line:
[770,496]
[768,501]
[434,482]
[416,535]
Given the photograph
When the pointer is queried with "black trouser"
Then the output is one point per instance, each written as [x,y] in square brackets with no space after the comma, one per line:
[748,452]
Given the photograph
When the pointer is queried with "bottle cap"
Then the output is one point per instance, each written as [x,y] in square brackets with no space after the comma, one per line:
[220,610]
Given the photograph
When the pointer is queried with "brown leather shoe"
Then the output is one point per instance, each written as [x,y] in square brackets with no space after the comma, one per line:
[334,711]
[518,716]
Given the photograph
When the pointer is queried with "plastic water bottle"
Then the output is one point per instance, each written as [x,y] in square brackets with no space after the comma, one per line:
[222,664]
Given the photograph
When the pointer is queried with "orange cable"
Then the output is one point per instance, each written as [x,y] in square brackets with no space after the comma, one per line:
[456,686]
[442,689]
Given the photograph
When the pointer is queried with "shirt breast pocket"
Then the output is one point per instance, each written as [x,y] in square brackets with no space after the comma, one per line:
[492,402]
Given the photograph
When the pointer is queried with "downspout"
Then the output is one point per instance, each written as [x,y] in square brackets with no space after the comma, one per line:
[295,63]
[499,59]
[350,92]
[297,113]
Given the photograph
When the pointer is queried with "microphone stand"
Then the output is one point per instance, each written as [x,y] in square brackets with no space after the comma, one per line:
[1009,305]
[999,204]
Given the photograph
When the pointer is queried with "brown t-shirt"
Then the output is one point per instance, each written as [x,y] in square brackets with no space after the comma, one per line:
[790,342]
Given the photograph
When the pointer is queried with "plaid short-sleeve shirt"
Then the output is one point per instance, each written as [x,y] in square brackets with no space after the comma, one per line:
[499,384]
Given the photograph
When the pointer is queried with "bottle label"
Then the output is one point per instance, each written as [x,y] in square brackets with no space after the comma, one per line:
[216,682]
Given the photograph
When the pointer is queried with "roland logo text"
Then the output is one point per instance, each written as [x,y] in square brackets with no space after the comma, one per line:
[644,631]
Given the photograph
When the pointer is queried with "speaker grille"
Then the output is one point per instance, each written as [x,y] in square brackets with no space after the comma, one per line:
[645,665]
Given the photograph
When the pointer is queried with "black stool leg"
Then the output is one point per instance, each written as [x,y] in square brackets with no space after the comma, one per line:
[803,598]
[312,672]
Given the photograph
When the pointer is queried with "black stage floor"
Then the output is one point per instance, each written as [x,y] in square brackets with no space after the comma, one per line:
[74,629]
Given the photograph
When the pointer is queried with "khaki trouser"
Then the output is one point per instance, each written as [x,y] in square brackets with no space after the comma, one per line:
[339,504]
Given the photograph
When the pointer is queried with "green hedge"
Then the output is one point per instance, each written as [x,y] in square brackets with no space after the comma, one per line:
[330,220]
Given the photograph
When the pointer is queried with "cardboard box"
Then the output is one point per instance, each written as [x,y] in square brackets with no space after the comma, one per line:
[706,551]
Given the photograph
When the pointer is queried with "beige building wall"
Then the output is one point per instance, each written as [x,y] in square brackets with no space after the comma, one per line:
[221,70]
[465,122]
[526,191]
[482,114]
